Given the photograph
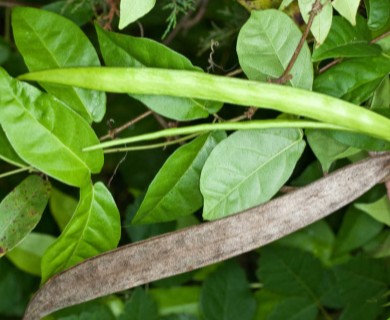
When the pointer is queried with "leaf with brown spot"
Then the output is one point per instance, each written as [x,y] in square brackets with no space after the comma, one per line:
[21,210]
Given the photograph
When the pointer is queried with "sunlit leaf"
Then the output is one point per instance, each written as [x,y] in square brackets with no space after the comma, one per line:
[47,134]
[21,210]
[225,295]
[7,153]
[28,254]
[174,191]
[322,21]
[79,13]
[132,10]
[379,210]
[266,44]
[347,9]
[247,169]
[346,41]
[93,229]
[120,50]
[58,42]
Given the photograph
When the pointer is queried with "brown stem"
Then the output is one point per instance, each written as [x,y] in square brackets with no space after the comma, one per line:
[10,4]
[113,5]
[114,132]
[382,36]
[316,9]
[329,65]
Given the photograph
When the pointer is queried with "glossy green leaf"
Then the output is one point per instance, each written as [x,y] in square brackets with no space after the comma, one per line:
[21,210]
[347,8]
[184,299]
[381,97]
[379,210]
[93,229]
[28,254]
[360,141]
[353,80]
[225,295]
[327,149]
[7,153]
[62,207]
[247,169]
[356,229]
[294,308]
[378,13]
[265,45]
[346,41]
[132,10]
[140,307]
[322,21]
[174,192]
[208,87]
[47,134]
[80,13]
[126,51]
[47,40]
[290,271]
[318,239]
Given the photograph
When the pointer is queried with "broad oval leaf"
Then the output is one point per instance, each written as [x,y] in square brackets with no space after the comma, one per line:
[132,10]
[322,21]
[93,229]
[47,134]
[346,41]
[378,13]
[379,210]
[347,9]
[140,307]
[28,254]
[48,41]
[21,210]
[126,51]
[7,153]
[174,192]
[247,169]
[353,80]
[265,45]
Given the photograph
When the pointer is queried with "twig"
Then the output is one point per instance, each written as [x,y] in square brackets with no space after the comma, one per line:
[382,36]
[316,9]
[10,4]
[112,133]
[111,14]
[234,73]
[329,65]
[16,171]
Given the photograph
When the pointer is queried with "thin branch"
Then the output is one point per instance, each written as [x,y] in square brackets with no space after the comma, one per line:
[329,65]
[10,4]
[382,36]
[316,9]
[16,171]
[114,132]
[234,73]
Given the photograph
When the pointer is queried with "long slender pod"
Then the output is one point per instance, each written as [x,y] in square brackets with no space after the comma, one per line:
[209,87]
[207,243]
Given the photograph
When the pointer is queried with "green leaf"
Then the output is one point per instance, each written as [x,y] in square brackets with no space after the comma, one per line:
[378,13]
[247,169]
[381,97]
[322,21]
[290,271]
[140,307]
[327,149]
[346,41]
[21,210]
[132,10]
[382,249]
[7,153]
[28,254]
[174,192]
[120,50]
[347,8]
[225,295]
[58,42]
[62,207]
[379,210]
[16,288]
[360,141]
[265,45]
[47,134]
[80,13]
[176,300]
[294,308]
[93,229]
[356,229]
[353,80]
[266,302]
[5,51]
[318,239]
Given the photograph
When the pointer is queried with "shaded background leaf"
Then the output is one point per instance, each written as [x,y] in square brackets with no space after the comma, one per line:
[265,45]
[378,13]
[140,307]
[21,210]
[61,45]
[247,169]
[62,207]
